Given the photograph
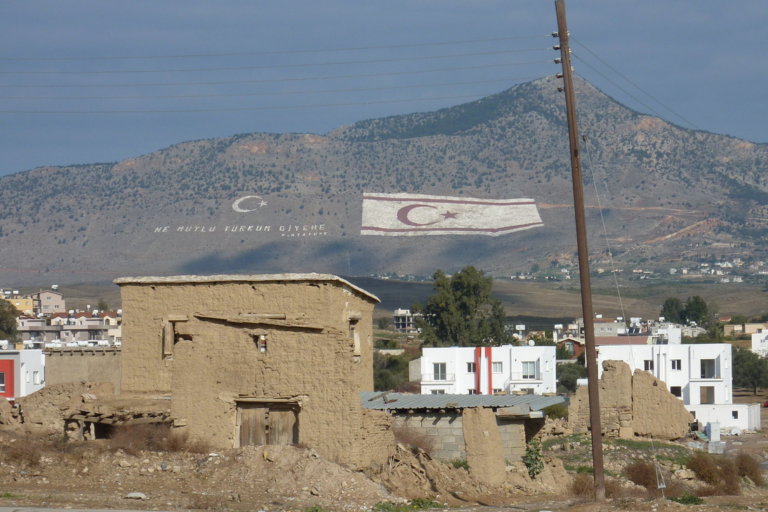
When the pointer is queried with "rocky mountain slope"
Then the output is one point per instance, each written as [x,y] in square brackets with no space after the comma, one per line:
[292,202]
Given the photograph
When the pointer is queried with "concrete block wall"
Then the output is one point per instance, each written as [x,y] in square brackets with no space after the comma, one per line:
[446,431]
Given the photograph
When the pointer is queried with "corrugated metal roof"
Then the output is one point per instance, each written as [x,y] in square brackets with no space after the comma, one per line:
[375,400]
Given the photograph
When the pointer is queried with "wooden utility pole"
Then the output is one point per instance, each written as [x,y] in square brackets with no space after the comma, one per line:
[581,239]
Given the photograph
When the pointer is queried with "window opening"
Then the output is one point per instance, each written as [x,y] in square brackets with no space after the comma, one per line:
[439,371]
[471,368]
[648,365]
[735,414]
[529,370]
[676,391]
[438,391]
[2,382]
[677,364]
[497,367]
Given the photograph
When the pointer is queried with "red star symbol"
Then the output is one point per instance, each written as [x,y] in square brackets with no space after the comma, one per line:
[449,215]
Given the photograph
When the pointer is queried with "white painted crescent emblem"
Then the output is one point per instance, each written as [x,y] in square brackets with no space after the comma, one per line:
[236,205]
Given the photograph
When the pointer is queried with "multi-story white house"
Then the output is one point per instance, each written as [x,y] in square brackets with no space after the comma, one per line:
[760,342]
[21,372]
[404,320]
[488,370]
[699,374]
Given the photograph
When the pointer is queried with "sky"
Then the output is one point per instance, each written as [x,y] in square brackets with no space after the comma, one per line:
[92,81]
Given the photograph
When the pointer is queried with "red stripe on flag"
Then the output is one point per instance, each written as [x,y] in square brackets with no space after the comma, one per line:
[488,230]
[452,201]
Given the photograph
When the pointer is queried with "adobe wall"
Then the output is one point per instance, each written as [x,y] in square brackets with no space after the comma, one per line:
[47,407]
[83,365]
[447,433]
[146,305]
[630,405]
[376,442]
[221,362]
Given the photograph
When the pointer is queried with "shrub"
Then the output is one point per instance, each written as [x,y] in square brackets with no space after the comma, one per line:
[21,453]
[721,475]
[134,439]
[584,485]
[748,466]
[532,459]
[687,499]
[557,411]
[642,473]
[414,438]
[460,464]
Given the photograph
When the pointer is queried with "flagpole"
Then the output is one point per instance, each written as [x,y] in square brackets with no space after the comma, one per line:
[581,240]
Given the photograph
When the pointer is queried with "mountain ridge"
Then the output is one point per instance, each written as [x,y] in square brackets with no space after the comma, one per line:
[104,217]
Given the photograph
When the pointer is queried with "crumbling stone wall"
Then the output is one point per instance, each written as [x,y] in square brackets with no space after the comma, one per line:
[47,407]
[481,436]
[615,402]
[312,358]
[656,412]
[630,405]
[376,442]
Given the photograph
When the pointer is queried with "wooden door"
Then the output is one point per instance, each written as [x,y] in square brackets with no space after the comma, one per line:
[262,424]
[253,425]
[282,426]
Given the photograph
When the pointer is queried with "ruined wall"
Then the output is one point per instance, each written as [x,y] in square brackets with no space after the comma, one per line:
[630,405]
[47,407]
[656,412]
[615,402]
[376,442]
[483,441]
[145,307]
[83,365]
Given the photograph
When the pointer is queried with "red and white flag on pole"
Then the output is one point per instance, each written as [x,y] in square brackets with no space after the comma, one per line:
[416,214]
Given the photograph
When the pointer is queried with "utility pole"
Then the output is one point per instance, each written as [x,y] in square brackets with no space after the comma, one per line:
[581,239]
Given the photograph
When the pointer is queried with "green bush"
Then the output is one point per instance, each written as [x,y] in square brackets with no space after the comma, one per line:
[532,459]
[687,500]
[460,464]
[557,411]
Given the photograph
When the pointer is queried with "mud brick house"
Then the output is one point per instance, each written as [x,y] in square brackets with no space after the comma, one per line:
[259,359]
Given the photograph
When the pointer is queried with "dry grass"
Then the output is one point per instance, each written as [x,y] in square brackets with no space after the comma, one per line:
[583,485]
[642,473]
[748,466]
[22,453]
[720,474]
[154,438]
[415,438]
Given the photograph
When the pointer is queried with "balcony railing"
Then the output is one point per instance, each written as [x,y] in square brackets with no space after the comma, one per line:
[438,377]
[524,377]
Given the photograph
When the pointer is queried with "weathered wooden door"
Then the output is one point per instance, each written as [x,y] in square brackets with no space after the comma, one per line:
[267,424]
[282,426]
[253,425]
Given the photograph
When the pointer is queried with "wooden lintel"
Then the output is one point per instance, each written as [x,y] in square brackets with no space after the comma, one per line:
[257,332]
[258,321]
[177,318]
[78,417]
[259,399]
[273,316]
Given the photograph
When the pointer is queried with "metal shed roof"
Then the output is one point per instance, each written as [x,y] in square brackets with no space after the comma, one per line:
[375,400]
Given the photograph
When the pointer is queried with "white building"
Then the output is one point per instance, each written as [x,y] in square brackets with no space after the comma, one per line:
[21,372]
[760,342]
[488,370]
[699,374]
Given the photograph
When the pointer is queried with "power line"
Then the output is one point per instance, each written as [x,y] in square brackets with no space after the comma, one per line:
[265,93]
[617,85]
[282,107]
[278,66]
[635,85]
[271,80]
[278,52]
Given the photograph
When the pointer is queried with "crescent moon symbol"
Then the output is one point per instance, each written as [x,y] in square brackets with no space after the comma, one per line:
[402,214]
[236,204]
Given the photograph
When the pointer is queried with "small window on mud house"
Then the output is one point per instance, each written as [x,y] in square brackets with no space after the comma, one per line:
[354,335]
[676,391]
[262,343]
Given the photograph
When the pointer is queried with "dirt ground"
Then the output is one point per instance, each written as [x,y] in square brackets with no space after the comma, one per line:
[44,472]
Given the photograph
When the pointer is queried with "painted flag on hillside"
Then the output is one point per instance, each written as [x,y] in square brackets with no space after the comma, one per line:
[416,214]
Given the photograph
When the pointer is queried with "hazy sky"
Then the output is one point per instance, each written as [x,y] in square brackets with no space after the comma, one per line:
[701,58]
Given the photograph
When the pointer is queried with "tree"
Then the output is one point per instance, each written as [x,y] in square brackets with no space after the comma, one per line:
[535,268]
[696,310]
[749,369]
[8,325]
[673,310]
[102,305]
[568,374]
[383,323]
[462,311]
